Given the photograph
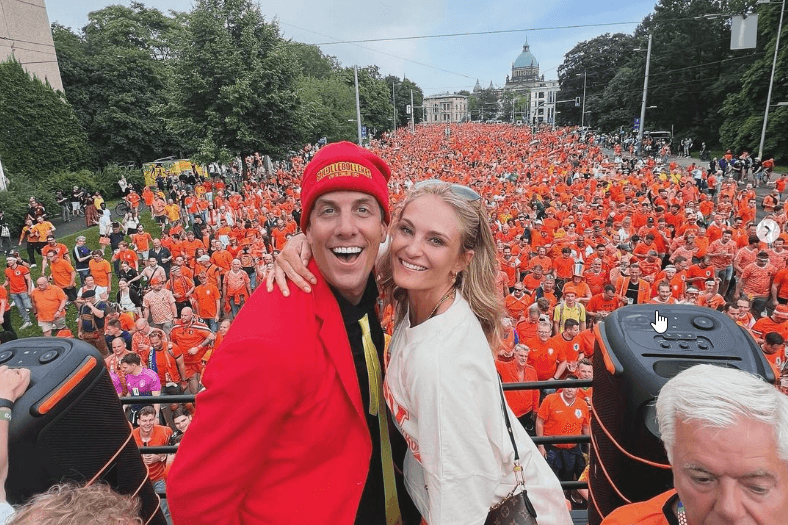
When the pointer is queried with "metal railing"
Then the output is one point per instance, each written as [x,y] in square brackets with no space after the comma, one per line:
[533,385]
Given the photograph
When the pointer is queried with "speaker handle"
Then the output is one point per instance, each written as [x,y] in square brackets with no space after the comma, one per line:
[612,364]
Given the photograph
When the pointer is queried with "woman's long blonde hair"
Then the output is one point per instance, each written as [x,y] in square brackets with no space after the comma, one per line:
[477,282]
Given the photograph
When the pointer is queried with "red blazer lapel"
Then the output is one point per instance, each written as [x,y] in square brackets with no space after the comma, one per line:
[334,338]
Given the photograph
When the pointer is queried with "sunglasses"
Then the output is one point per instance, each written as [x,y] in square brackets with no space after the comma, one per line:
[458,189]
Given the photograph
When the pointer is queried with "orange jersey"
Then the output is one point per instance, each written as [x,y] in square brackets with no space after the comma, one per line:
[101,271]
[188,336]
[561,419]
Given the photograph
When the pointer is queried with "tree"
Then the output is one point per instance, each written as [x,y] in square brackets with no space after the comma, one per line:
[328,107]
[40,131]
[597,61]
[402,91]
[483,105]
[115,74]
[691,65]
[312,62]
[233,90]
[743,109]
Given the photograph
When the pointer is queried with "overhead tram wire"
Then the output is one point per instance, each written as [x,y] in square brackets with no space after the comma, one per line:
[384,53]
[501,31]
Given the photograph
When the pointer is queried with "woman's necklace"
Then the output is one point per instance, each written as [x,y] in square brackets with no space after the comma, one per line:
[448,294]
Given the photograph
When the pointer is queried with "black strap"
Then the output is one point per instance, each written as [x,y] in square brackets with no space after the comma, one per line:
[6,403]
[508,423]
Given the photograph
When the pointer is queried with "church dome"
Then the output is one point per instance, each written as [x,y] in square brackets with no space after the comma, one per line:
[526,59]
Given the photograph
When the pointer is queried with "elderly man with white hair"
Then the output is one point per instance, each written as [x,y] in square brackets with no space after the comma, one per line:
[726,435]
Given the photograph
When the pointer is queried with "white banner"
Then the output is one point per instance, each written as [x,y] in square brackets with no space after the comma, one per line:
[744,32]
[3,180]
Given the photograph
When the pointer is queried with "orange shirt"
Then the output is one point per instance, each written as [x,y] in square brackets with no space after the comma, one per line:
[520,401]
[643,513]
[544,357]
[598,303]
[160,435]
[764,325]
[16,278]
[222,258]
[128,256]
[142,241]
[61,273]
[4,296]
[100,270]
[190,335]
[516,307]
[207,295]
[561,419]
[47,302]
[563,267]
[526,329]
[570,348]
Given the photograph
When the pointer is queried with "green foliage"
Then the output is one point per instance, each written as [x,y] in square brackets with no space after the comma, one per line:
[115,74]
[312,62]
[234,84]
[328,104]
[744,109]
[597,61]
[40,129]
[402,92]
[483,105]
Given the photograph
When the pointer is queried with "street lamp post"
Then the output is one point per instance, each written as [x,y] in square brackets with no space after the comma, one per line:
[645,94]
[394,104]
[771,80]
[585,77]
[358,106]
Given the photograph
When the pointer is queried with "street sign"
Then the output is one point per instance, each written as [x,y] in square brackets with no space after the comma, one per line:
[363,132]
[636,125]
[408,109]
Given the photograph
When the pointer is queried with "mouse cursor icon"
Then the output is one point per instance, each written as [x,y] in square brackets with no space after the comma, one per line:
[660,324]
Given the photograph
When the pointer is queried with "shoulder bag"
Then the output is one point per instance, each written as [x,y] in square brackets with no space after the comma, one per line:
[515,509]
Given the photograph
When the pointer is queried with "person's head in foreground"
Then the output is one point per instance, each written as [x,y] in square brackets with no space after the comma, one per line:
[441,242]
[72,504]
[726,436]
[346,209]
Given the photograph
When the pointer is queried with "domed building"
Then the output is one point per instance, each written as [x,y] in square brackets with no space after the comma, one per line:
[525,68]
[526,81]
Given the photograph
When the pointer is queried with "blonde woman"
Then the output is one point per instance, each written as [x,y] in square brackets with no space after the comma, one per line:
[441,383]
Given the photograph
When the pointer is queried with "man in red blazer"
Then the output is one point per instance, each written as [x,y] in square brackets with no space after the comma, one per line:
[283,432]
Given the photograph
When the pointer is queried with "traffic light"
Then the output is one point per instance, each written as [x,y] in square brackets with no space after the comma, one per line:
[577,102]
[408,109]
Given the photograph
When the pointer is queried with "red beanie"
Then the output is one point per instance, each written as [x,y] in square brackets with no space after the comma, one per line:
[344,166]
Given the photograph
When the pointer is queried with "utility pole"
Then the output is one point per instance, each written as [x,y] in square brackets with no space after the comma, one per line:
[645,93]
[358,105]
[412,114]
[771,81]
[583,116]
[394,105]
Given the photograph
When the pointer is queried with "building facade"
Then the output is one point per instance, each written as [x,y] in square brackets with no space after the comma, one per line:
[542,107]
[525,71]
[447,108]
[26,35]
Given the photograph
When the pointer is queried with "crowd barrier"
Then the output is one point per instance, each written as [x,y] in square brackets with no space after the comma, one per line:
[566,485]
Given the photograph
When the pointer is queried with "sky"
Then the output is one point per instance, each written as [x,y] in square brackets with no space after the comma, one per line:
[438,65]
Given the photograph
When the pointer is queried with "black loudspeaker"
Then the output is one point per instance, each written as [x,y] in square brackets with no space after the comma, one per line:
[70,425]
[631,364]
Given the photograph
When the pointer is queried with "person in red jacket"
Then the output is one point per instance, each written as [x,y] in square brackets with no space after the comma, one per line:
[285,431]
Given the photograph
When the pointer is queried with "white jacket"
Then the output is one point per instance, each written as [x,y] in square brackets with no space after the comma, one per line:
[443,391]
